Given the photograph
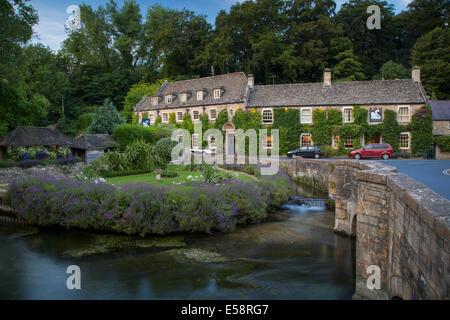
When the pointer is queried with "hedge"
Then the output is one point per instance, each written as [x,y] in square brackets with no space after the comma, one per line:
[127,133]
[145,208]
[112,174]
[443,142]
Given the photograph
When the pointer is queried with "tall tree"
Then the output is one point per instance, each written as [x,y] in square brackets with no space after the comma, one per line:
[432,53]
[17,18]
[310,30]
[371,47]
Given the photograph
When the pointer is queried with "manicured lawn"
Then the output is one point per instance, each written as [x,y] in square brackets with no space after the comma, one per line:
[182,177]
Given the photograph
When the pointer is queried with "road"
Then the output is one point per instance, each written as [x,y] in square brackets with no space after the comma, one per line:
[429,172]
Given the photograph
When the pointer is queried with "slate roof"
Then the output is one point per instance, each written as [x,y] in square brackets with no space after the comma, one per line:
[233,86]
[340,93]
[441,109]
[35,136]
[94,142]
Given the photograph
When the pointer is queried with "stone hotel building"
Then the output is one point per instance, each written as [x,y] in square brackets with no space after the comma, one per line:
[211,95]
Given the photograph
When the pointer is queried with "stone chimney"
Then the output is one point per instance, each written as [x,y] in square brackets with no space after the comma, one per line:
[327,77]
[416,74]
[251,81]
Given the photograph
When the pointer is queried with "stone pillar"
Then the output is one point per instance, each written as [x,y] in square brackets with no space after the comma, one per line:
[372,233]
[3,153]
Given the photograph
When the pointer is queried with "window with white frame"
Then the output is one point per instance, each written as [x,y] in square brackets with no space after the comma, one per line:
[199,95]
[169,98]
[217,93]
[405,137]
[155,101]
[267,116]
[180,116]
[195,115]
[195,140]
[165,117]
[212,114]
[306,115]
[347,115]
[348,142]
[267,142]
[403,114]
[212,142]
[306,140]
[183,97]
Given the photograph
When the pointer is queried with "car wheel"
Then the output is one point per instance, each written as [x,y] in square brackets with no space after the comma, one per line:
[316,156]
[357,156]
[385,156]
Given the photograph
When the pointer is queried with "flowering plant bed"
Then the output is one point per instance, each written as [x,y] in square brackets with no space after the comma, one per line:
[146,208]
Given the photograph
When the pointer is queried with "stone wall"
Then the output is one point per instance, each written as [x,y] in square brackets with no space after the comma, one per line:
[442,155]
[402,226]
[7,174]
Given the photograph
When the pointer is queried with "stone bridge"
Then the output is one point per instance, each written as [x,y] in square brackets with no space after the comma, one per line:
[401,226]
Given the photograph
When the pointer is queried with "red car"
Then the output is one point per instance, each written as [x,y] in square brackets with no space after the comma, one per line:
[375,150]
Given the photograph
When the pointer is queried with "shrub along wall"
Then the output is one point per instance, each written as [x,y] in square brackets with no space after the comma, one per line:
[144,208]
[127,133]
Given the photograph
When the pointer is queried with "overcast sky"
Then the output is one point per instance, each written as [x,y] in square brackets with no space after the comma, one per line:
[52,14]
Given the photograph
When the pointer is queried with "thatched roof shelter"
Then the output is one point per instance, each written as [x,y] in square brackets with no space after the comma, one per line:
[94,142]
[33,136]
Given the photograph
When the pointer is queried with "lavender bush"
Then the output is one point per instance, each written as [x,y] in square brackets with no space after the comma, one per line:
[143,208]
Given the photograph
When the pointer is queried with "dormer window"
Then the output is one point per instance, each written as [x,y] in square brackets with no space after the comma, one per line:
[155,101]
[217,93]
[199,95]
[183,97]
[168,99]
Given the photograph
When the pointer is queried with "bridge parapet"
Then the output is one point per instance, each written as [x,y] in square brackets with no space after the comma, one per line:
[402,226]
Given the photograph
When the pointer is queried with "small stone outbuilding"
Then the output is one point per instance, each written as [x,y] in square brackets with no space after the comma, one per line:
[91,146]
[441,124]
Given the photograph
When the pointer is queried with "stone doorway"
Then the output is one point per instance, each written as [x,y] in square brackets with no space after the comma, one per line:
[230,138]
[376,138]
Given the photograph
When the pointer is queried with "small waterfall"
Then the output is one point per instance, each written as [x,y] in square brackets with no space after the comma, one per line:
[298,204]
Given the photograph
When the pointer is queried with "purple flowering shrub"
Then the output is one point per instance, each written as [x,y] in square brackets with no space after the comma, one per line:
[144,208]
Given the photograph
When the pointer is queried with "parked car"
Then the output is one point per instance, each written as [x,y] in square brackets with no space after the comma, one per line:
[375,150]
[204,151]
[306,152]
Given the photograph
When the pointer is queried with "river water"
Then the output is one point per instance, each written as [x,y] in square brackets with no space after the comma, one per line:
[298,257]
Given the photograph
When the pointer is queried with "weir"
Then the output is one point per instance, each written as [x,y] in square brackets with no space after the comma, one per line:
[320,203]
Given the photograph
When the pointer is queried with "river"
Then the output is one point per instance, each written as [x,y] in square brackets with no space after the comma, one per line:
[298,257]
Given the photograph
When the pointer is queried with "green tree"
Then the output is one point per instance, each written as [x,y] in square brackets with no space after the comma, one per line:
[106,119]
[432,53]
[17,18]
[136,93]
[346,67]
[371,47]
[391,70]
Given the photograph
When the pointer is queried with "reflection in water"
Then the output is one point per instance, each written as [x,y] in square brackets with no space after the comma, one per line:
[298,258]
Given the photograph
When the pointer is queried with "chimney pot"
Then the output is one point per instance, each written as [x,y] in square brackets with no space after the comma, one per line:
[416,74]
[327,77]
[251,81]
